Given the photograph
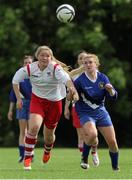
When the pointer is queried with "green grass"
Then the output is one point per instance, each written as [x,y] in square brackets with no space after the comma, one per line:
[64,164]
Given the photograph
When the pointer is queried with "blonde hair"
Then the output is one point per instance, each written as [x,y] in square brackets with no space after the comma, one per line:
[81,54]
[79,58]
[80,69]
[40,48]
[63,65]
[93,56]
[77,71]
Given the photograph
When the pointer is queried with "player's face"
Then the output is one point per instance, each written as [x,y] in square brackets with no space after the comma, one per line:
[80,58]
[89,64]
[27,61]
[44,57]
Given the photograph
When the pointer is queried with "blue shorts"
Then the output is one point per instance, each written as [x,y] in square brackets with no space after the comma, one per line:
[100,117]
[24,112]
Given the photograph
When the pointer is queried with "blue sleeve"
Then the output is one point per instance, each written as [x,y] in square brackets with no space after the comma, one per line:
[77,85]
[106,79]
[12,96]
[26,88]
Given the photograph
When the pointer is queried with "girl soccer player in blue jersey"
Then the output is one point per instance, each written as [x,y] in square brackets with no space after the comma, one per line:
[76,122]
[21,114]
[93,88]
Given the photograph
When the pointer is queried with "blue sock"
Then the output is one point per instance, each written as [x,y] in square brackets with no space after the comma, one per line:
[114,159]
[85,154]
[21,150]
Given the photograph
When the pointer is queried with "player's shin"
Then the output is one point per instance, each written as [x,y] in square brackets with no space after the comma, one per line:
[85,154]
[30,143]
[47,152]
[114,160]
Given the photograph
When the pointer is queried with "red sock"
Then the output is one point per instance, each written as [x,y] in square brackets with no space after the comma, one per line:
[30,143]
[47,148]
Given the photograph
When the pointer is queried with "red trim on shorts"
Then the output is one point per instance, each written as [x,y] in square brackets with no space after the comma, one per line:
[75,118]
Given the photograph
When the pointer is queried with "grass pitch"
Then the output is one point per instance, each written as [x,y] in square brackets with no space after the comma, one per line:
[64,164]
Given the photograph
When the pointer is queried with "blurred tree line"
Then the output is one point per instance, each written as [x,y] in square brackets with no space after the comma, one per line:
[103,27]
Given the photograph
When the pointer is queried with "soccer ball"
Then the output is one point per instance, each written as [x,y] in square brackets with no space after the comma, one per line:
[65,13]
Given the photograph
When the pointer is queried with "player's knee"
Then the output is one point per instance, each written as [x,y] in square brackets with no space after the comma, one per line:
[90,138]
[34,130]
[91,135]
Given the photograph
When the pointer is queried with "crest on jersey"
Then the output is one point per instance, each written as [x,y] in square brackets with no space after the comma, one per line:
[101,85]
[49,73]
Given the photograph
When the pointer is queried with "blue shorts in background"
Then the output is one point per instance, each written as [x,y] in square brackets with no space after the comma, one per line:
[24,112]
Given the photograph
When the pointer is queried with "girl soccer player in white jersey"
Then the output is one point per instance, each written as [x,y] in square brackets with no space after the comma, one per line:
[93,87]
[46,78]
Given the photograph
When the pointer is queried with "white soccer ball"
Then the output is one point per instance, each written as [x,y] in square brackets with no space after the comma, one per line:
[65,13]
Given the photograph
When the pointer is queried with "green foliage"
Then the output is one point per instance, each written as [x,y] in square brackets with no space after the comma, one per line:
[124,106]
[95,37]
[101,27]
[117,76]
[13,40]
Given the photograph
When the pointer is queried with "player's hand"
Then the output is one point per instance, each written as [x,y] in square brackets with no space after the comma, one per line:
[67,113]
[10,115]
[19,104]
[110,89]
[72,95]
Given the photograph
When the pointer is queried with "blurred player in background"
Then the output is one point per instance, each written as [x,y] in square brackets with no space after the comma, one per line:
[46,77]
[76,122]
[21,114]
[93,88]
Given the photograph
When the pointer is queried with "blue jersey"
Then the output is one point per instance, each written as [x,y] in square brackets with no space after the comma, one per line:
[92,97]
[12,96]
[25,89]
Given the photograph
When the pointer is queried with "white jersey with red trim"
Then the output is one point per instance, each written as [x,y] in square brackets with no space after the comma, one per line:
[46,84]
